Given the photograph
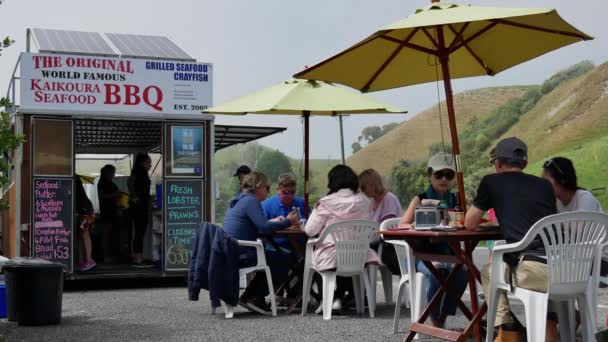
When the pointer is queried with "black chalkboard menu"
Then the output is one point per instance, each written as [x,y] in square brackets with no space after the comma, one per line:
[183,214]
[52,220]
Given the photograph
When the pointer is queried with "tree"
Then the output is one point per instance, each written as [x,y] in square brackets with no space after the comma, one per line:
[371,134]
[273,163]
[6,42]
[8,140]
[408,179]
[389,127]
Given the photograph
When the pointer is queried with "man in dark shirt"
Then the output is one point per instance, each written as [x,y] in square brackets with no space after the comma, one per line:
[519,200]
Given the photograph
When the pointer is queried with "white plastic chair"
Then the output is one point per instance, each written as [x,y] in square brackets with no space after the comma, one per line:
[385,273]
[573,243]
[352,240]
[261,266]
[416,288]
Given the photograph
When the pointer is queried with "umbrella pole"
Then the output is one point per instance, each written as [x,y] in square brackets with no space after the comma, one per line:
[341,139]
[306,159]
[447,83]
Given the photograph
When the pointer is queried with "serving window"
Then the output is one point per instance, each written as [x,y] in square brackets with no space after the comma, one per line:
[52,147]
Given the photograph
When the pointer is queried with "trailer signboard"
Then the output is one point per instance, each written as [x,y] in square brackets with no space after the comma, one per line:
[67,84]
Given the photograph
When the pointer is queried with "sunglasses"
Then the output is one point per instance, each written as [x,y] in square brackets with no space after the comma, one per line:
[448,174]
[288,192]
[550,162]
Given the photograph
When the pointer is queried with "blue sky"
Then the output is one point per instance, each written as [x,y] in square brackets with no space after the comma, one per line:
[255,44]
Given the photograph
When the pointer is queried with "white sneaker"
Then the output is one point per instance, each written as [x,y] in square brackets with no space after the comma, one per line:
[337,304]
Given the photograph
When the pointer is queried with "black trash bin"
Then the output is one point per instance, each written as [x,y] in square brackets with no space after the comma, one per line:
[34,290]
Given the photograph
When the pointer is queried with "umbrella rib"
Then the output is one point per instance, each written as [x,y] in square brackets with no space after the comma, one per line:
[388,61]
[458,35]
[430,37]
[541,29]
[475,56]
[474,36]
[410,45]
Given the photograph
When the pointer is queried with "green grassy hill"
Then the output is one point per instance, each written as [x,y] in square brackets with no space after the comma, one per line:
[573,114]
[412,138]
[567,115]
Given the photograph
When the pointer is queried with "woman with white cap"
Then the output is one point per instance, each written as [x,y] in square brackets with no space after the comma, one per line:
[441,173]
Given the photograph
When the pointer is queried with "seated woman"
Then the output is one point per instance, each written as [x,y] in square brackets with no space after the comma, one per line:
[441,173]
[245,220]
[385,205]
[343,202]
[560,172]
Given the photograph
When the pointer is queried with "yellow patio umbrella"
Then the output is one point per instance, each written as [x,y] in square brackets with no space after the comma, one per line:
[304,98]
[444,41]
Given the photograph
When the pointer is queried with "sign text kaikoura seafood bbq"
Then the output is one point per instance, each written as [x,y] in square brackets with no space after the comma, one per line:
[66,82]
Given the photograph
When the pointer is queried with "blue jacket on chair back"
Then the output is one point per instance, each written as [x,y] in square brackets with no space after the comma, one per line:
[214,266]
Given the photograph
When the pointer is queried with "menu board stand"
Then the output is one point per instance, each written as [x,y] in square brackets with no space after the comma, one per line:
[183,215]
[52,217]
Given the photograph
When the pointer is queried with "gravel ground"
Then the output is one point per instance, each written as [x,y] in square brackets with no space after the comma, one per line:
[161,312]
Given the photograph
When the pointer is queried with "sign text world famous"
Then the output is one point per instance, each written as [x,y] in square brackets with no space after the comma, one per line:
[113,84]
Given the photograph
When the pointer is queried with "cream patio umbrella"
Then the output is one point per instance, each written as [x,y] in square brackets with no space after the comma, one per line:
[304,98]
[444,41]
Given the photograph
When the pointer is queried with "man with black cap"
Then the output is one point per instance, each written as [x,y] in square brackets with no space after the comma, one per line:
[519,200]
[240,173]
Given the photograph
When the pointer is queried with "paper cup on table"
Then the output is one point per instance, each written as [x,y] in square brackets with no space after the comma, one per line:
[452,216]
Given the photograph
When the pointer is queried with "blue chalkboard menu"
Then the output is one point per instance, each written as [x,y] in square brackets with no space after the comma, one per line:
[183,215]
[52,218]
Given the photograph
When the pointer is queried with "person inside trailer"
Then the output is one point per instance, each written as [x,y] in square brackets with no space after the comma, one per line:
[85,219]
[108,195]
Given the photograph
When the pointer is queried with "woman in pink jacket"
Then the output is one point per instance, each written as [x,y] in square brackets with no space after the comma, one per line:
[343,202]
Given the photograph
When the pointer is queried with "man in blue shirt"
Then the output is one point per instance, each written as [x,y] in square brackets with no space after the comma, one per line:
[283,202]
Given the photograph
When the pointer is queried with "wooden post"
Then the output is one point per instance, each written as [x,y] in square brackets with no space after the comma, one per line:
[306,160]
[444,58]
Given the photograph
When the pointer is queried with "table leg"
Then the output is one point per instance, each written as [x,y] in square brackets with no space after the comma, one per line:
[474,274]
[444,288]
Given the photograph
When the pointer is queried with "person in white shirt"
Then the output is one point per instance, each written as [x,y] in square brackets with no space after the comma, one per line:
[560,172]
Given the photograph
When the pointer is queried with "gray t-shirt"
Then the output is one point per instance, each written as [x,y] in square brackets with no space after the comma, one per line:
[583,200]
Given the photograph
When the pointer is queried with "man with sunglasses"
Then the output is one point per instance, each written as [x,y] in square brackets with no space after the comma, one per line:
[281,204]
[519,200]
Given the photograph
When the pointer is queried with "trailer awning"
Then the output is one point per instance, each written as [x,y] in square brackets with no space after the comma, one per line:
[116,136]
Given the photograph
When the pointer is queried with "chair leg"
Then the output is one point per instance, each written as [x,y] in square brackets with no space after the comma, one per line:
[400,297]
[566,319]
[420,298]
[373,275]
[329,284]
[387,284]
[273,303]
[371,301]
[588,317]
[306,288]
[492,298]
[229,311]
[535,305]
[358,293]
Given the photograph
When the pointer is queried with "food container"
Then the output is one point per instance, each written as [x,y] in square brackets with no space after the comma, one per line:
[123,200]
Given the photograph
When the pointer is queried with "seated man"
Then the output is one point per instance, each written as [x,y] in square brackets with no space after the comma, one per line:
[520,200]
[281,204]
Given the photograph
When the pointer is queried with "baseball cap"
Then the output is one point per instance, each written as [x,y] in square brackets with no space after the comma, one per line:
[510,149]
[242,170]
[442,161]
